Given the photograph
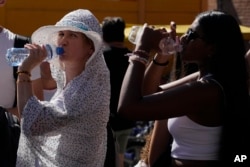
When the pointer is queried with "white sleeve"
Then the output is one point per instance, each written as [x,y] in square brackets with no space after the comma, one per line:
[35,73]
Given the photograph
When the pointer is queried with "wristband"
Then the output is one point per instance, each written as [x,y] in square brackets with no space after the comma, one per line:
[139,59]
[23,81]
[140,53]
[23,72]
[160,64]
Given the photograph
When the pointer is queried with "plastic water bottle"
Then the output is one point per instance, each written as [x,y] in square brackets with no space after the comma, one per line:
[15,56]
[134,34]
[167,45]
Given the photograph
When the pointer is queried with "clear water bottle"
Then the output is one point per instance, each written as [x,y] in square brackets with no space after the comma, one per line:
[167,45]
[15,56]
[134,34]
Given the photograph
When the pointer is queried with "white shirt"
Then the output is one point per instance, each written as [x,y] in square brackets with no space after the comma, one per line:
[7,81]
[193,141]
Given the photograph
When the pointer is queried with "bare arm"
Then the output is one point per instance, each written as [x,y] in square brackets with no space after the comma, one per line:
[137,103]
[38,88]
[24,84]
[132,87]
[27,88]
[186,79]
[159,141]
[153,74]
[24,90]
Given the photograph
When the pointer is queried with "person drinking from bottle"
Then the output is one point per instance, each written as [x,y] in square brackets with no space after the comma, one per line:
[207,116]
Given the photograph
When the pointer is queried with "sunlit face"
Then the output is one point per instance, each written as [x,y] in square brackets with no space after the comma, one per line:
[195,48]
[77,47]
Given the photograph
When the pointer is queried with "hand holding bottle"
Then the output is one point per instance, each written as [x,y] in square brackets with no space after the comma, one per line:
[15,56]
[159,40]
[171,44]
[36,55]
[149,37]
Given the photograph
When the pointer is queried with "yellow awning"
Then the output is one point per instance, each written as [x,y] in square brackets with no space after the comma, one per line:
[181,29]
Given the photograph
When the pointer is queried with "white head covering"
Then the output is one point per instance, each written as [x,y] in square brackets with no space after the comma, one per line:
[80,20]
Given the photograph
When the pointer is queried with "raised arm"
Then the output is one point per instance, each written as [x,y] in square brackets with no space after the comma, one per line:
[139,99]
[160,141]
[24,83]
[191,77]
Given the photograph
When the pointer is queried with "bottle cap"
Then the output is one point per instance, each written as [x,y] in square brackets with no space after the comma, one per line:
[59,50]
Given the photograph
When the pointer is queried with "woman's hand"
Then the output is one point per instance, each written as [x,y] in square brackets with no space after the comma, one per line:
[150,38]
[37,55]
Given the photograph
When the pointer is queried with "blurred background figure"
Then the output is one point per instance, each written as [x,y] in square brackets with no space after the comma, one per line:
[114,54]
[9,115]
[2,2]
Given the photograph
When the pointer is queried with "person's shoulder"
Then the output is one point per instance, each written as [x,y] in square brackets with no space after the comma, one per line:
[203,86]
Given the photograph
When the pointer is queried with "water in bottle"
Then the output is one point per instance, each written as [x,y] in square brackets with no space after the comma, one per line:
[134,34]
[167,45]
[15,56]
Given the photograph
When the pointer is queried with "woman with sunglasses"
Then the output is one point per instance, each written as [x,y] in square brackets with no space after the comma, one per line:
[206,113]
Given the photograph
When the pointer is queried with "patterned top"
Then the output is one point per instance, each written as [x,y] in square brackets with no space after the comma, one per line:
[70,130]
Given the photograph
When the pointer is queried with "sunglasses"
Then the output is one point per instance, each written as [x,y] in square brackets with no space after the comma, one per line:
[191,35]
